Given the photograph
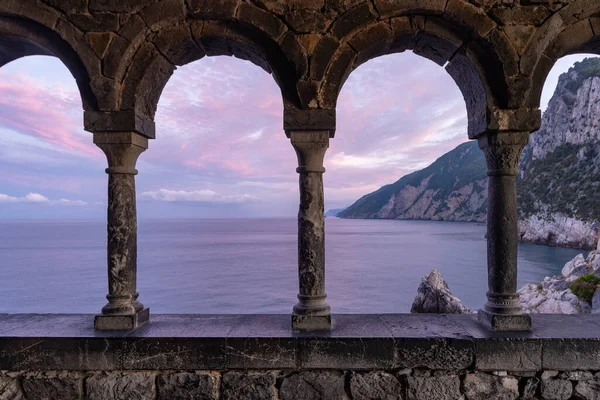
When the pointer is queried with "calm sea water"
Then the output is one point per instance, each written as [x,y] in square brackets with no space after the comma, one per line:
[249,265]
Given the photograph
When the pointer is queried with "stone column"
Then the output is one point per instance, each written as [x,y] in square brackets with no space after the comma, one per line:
[123,311]
[502,312]
[312,312]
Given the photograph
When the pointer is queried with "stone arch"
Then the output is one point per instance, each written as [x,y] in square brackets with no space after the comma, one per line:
[580,37]
[477,55]
[21,37]
[277,51]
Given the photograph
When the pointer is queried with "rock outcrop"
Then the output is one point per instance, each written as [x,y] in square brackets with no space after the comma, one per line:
[434,296]
[557,186]
[553,296]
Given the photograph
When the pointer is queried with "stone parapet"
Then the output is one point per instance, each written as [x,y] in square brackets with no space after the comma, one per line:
[30,342]
[392,356]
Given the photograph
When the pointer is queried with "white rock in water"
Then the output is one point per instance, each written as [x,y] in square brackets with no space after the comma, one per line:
[433,296]
[596,302]
[593,259]
[575,268]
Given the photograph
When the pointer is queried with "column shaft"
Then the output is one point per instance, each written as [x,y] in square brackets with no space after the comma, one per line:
[122,246]
[123,311]
[502,311]
[311,312]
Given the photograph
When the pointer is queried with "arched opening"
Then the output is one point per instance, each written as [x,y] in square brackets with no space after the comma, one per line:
[52,192]
[216,194]
[387,129]
[560,174]
[21,37]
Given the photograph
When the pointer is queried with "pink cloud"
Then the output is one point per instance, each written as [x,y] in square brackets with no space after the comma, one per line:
[44,113]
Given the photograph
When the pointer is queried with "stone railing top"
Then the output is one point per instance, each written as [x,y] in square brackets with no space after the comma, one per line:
[386,341]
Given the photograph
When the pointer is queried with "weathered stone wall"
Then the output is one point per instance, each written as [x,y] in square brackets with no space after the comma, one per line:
[409,384]
[123,52]
[237,357]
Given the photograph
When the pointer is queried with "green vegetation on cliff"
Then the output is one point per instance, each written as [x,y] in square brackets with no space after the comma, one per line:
[566,181]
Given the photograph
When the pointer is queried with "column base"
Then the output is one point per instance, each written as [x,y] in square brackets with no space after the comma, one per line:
[310,323]
[505,322]
[126,322]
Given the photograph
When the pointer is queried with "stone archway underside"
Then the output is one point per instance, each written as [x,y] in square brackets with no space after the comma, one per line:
[122,53]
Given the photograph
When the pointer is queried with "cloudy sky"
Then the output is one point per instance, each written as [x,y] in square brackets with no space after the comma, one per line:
[220,148]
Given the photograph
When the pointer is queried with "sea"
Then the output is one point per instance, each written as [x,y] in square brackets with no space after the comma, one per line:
[248,266]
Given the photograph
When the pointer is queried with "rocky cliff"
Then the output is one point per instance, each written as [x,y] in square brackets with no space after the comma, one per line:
[559,177]
[559,181]
[453,188]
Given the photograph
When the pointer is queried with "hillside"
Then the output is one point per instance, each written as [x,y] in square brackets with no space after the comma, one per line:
[558,184]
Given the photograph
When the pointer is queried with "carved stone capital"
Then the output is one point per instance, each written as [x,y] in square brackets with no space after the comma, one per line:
[503,151]
[122,150]
[310,148]
[308,120]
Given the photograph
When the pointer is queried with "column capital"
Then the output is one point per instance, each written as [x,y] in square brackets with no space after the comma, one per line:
[308,120]
[515,120]
[310,148]
[122,150]
[503,151]
[119,121]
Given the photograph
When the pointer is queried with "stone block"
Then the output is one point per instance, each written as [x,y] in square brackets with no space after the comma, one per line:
[68,6]
[469,16]
[187,385]
[530,388]
[247,386]
[588,389]
[340,67]
[347,353]
[164,11]
[508,354]
[308,91]
[10,389]
[133,26]
[321,57]
[308,120]
[390,8]
[120,386]
[296,54]
[311,323]
[121,322]
[99,21]
[353,20]
[123,6]
[213,9]
[523,15]
[375,386]
[261,353]
[176,43]
[372,41]
[479,386]
[262,19]
[519,36]
[571,354]
[439,388]
[306,21]
[504,323]
[553,389]
[178,353]
[313,385]
[576,375]
[440,354]
[42,386]
[43,355]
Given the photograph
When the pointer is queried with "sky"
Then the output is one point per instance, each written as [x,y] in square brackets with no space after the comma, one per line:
[220,150]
